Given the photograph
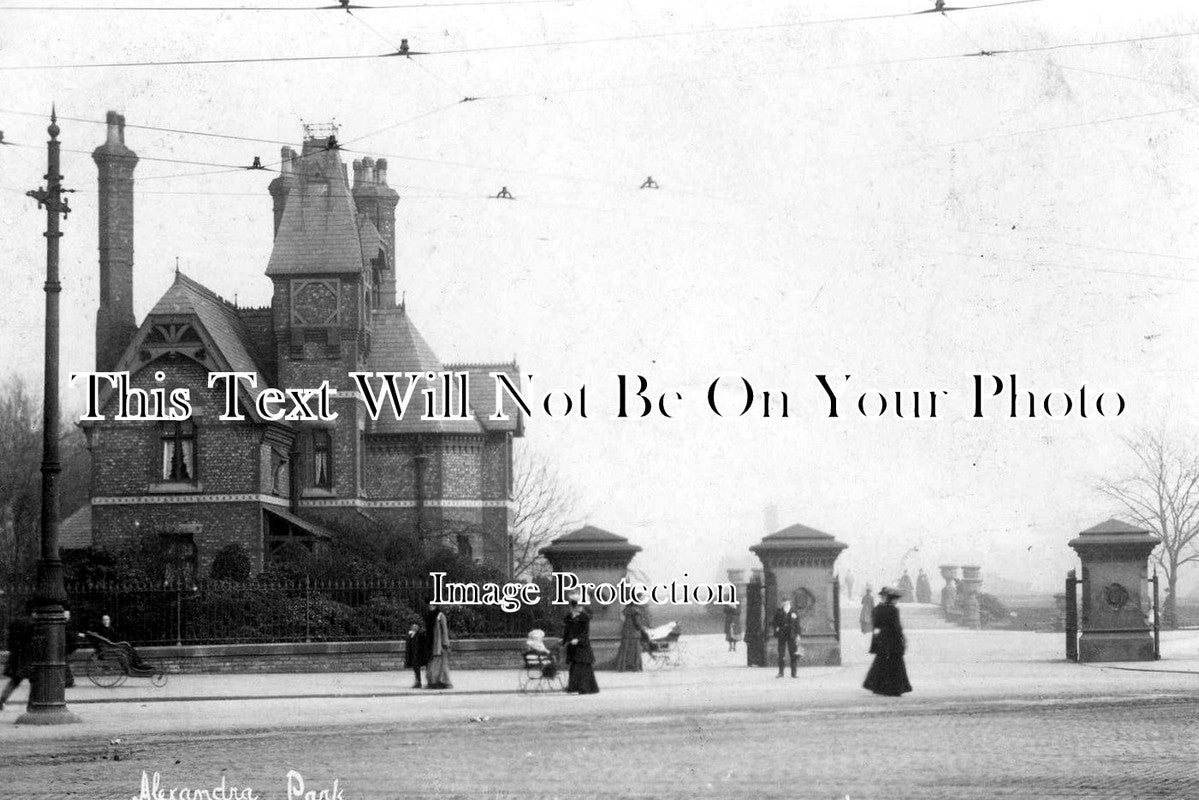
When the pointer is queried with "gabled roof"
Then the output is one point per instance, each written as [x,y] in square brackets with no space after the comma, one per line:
[318,233]
[219,319]
[397,346]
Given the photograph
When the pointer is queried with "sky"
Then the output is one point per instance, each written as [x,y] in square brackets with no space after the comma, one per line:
[837,196]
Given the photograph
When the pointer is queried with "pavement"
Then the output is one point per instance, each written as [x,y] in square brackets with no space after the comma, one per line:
[945,665]
[990,711]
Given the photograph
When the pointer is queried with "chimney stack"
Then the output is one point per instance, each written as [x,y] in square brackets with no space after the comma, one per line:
[376,201]
[280,187]
[115,325]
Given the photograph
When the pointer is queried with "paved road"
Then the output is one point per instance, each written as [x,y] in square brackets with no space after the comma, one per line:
[1070,748]
[984,722]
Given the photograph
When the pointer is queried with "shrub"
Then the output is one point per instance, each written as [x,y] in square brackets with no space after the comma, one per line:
[231,563]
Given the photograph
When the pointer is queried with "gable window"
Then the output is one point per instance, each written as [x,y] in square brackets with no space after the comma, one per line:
[179,451]
[322,459]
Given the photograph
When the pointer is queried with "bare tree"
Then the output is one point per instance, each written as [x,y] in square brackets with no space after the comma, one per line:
[20,478]
[542,510]
[1162,496]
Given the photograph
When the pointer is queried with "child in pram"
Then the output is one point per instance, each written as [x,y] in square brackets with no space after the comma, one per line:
[539,670]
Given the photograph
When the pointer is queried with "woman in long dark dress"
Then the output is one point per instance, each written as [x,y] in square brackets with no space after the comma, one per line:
[632,634]
[576,634]
[888,675]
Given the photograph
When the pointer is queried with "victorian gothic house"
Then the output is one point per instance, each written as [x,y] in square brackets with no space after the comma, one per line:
[195,486]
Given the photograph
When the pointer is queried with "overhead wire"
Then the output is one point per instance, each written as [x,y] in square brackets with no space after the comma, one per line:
[279,8]
[231,168]
[528,45]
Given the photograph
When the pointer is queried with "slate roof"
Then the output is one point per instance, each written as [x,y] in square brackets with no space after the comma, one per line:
[397,346]
[318,233]
[75,532]
[219,318]
[371,240]
[482,395]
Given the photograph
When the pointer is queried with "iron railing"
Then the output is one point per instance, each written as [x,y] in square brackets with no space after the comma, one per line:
[275,610]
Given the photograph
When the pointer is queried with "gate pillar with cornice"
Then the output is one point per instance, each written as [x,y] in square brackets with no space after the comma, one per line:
[595,556]
[798,563]
[1116,622]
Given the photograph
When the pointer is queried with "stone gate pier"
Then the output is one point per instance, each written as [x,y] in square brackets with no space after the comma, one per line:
[1115,621]
[798,562]
[595,556]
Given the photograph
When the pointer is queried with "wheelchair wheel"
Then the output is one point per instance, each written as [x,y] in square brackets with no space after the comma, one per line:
[524,680]
[106,670]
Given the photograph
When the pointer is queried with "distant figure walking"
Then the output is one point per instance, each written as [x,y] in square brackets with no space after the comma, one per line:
[20,653]
[905,588]
[924,591]
[437,629]
[888,675]
[866,618]
[732,626]
[576,635]
[632,636]
[786,631]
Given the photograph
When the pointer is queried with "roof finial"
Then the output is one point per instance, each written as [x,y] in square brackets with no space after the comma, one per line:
[403,300]
[176,266]
[53,130]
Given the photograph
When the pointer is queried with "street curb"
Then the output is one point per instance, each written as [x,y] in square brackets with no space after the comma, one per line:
[328,696]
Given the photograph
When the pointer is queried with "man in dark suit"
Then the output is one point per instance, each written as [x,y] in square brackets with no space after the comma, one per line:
[786,631]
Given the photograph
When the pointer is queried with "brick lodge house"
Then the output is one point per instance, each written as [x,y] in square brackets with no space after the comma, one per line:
[193,487]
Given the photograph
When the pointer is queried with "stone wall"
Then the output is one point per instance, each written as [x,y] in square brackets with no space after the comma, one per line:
[468,654]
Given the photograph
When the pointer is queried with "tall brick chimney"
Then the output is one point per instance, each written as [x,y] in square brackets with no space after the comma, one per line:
[115,325]
[374,199]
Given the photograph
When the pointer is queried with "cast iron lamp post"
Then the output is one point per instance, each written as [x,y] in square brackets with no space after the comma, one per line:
[47,692]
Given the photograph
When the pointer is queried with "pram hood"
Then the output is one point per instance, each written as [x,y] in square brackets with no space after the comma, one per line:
[662,631]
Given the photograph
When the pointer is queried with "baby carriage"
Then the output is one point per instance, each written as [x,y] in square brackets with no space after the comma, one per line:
[663,647]
[539,670]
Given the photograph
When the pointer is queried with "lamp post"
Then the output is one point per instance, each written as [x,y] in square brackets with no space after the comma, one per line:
[47,693]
